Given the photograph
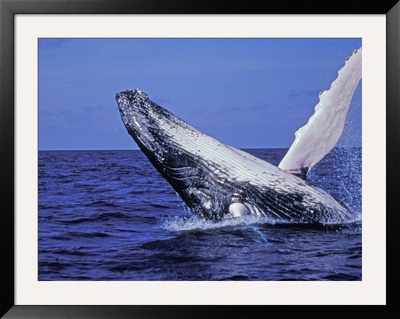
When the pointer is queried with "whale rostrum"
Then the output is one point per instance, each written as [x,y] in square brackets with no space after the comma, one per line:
[216,180]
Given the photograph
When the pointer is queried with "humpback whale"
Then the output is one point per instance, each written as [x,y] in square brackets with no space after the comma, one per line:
[218,181]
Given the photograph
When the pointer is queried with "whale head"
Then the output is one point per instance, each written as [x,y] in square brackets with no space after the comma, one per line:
[172,146]
[160,135]
[139,116]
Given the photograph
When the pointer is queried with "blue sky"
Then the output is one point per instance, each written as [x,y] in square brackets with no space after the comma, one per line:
[245,92]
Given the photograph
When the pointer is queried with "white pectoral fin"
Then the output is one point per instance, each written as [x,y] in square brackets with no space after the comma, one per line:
[319,136]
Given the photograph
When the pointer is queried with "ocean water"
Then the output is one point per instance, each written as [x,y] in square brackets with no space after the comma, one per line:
[109,215]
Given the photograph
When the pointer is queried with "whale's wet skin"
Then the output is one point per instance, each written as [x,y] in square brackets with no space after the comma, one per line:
[218,181]
[209,175]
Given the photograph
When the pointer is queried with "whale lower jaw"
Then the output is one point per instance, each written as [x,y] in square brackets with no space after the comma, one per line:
[207,173]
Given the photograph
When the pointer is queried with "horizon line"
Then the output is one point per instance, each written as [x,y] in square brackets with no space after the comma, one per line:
[138,149]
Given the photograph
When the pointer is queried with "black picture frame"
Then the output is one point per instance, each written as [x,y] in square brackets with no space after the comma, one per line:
[8,10]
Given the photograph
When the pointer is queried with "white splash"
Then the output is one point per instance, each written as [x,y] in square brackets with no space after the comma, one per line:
[180,223]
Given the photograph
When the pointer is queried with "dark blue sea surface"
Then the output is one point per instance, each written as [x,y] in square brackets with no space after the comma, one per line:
[109,215]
